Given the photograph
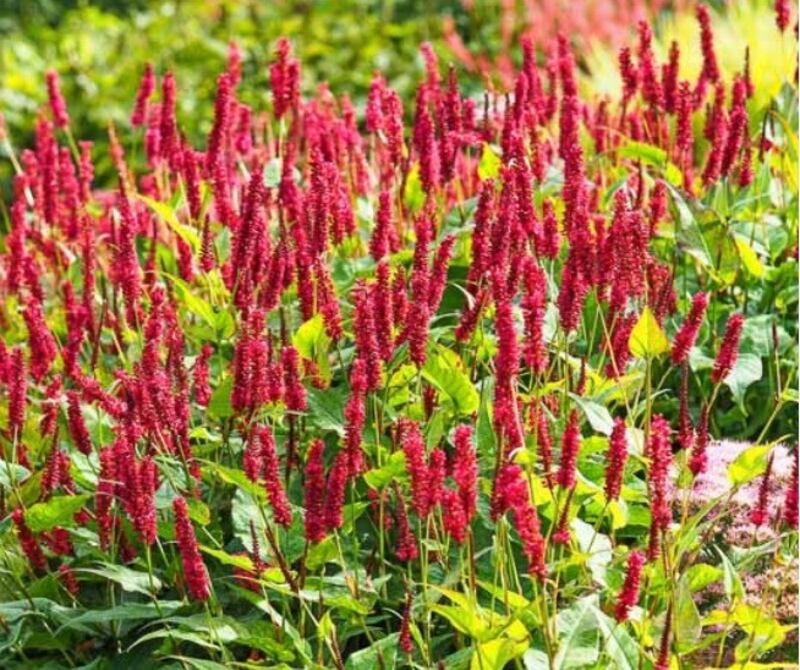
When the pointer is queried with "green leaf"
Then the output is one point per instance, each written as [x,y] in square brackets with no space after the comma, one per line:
[445,370]
[219,406]
[12,473]
[194,303]
[199,512]
[213,472]
[326,409]
[647,339]
[413,195]
[595,547]
[167,214]
[745,372]
[489,165]
[200,663]
[58,511]
[701,575]
[690,237]
[130,580]
[310,338]
[734,589]
[378,478]
[749,464]
[617,643]
[126,612]
[596,414]
[244,562]
[272,173]
[578,637]
[687,618]
[380,654]
[749,257]
[647,153]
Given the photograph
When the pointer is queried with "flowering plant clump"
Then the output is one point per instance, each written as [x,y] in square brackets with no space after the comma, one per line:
[432,385]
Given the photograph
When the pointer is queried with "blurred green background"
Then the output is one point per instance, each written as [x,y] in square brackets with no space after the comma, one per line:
[99,47]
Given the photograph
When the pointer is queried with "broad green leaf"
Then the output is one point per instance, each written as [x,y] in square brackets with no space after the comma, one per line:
[513,599]
[640,151]
[489,166]
[241,561]
[749,464]
[462,620]
[219,407]
[310,338]
[413,194]
[687,618]
[595,548]
[194,303]
[596,414]
[125,612]
[213,472]
[58,511]
[167,214]
[199,512]
[496,654]
[734,589]
[749,257]
[701,575]
[130,580]
[199,663]
[617,643]
[647,339]
[445,370]
[378,478]
[535,659]
[326,409]
[380,654]
[690,237]
[272,173]
[12,473]
[618,509]
[578,637]
[745,372]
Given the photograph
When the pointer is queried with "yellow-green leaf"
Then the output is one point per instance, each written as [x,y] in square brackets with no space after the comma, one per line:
[58,511]
[749,257]
[167,214]
[489,166]
[749,464]
[647,339]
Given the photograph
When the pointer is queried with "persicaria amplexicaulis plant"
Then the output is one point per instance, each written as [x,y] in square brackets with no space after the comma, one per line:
[444,375]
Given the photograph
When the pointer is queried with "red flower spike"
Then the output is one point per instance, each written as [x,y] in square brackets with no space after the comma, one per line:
[570,447]
[406,549]
[465,470]
[659,452]
[315,488]
[417,466]
[194,570]
[629,595]
[616,458]
[687,334]
[338,477]
[147,86]
[58,106]
[759,515]
[276,494]
[790,515]
[729,349]
[28,543]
